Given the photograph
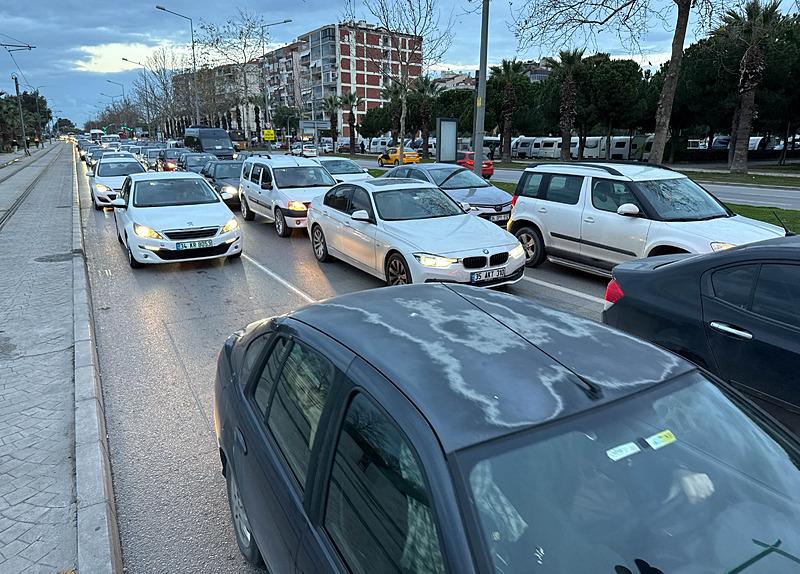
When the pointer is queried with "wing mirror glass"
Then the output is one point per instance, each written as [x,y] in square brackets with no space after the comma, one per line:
[465,206]
[118,202]
[226,196]
[360,215]
[628,210]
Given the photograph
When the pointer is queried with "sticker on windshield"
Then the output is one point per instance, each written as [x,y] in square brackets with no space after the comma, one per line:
[622,451]
[661,439]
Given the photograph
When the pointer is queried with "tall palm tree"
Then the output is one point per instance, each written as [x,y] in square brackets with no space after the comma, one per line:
[331,105]
[428,91]
[393,93]
[752,26]
[351,102]
[566,69]
[506,76]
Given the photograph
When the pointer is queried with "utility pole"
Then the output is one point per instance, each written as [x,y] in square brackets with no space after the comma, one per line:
[194,62]
[480,101]
[21,117]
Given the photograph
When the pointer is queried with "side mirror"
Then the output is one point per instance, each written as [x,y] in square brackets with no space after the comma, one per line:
[366,170]
[465,206]
[118,202]
[628,210]
[226,196]
[360,215]
[90,173]
[266,185]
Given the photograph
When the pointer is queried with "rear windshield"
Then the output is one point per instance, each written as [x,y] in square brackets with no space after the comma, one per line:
[227,170]
[199,159]
[174,153]
[118,168]
[419,203]
[210,142]
[167,192]
[342,166]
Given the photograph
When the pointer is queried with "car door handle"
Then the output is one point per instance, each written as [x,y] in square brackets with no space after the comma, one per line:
[730,330]
[240,442]
[589,219]
[542,210]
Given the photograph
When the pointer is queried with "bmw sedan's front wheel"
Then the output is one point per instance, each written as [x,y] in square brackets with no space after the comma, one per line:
[397,272]
[319,244]
[241,524]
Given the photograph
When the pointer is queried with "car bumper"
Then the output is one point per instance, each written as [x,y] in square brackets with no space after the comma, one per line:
[105,197]
[165,251]
[513,269]
[295,219]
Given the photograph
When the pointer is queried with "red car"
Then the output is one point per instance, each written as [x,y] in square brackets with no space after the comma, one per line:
[467,160]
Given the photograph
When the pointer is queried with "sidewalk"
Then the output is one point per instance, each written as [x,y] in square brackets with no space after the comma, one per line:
[37,471]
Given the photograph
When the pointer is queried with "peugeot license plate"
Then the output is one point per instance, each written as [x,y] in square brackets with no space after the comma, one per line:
[488,275]
[500,217]
[193,244]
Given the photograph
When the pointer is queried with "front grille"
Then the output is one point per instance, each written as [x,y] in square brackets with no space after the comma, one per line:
[170,255]
[194,233]
[498,259]
[111,195]
[474,262]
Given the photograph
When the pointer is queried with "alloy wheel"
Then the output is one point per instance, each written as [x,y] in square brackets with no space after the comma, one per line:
[397,272]
[240,520]
[318,243]
[529,244]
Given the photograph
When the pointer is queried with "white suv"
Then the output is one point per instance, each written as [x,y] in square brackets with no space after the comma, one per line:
[280,188]
[593,216]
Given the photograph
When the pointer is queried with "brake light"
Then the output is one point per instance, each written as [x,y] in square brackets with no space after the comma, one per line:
[514,200]
[614,292]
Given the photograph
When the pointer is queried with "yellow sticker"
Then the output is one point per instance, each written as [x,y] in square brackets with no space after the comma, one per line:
[661,439]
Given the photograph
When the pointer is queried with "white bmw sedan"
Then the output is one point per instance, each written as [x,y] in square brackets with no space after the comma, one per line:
[165,217]
[407,231]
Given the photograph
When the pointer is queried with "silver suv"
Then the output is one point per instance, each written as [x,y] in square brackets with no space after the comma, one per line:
[593,216]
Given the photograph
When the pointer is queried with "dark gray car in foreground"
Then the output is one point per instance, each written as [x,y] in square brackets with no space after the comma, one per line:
[442,428]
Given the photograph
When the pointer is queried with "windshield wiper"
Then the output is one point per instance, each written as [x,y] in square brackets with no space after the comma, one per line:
[768,549]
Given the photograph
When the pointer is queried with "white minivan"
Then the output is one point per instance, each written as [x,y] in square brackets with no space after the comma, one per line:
[280,188]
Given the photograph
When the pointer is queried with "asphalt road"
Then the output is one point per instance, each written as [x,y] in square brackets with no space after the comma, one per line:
[159,330]
[786,198]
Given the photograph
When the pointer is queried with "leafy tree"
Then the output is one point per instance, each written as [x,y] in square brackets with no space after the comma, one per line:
[375,122]
[351,102]
[507,78]
[286,117]
[392,93]
[331,105]
[457,104]
[427,90]
[566,69]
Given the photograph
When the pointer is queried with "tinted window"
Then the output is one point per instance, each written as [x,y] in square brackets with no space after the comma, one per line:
[735,284]
[338,198]
[417,174]
[286,177]
[378,511]
[455,178]
[360,200]
[266,382]
[529,184]
[256,173]
[340,166]
[608,195]
[421,203]
[399,172]
[118,168]
[297,405]
[777,293]
[564,189]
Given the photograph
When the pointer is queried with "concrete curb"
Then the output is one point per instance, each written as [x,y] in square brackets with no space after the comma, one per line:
[99,549]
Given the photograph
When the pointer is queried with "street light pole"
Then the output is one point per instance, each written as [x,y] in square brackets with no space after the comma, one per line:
[147,95]
[21,117]
[480,101]
[264,70]
[120,84]
[194,62]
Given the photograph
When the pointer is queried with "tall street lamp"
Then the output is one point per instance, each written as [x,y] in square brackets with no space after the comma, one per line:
[194,62]
[121,85]
[147,94]
[264,68]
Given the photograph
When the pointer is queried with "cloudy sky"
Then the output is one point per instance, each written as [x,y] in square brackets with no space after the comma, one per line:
[80,44]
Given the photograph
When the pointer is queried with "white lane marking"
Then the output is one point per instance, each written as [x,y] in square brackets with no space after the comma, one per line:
[567,290]
[280,279]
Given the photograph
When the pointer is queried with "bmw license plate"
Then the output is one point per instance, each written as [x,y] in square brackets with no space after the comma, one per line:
[500,217]
[488,275]
[193,244]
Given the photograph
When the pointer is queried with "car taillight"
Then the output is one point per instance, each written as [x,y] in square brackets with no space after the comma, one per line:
[614,292]
[514,200]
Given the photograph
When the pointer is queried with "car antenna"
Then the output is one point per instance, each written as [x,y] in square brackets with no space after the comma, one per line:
[789,232]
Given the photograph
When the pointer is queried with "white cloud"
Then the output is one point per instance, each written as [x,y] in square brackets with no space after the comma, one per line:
[107,58]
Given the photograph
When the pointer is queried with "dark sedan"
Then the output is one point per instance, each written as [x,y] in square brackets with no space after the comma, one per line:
[224,175]
[440,428]
[463,186]
[194,161]
[735,312]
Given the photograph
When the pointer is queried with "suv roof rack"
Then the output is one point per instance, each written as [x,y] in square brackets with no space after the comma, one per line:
[589,163]
[605,168]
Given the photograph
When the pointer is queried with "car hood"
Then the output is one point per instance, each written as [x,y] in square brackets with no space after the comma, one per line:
[183,216]
[736,230]
[112,182]
[346,177]
[451,235]
[479,195]
[304,194]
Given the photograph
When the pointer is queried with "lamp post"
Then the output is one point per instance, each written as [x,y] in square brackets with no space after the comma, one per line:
[288,136]
[264,70]
[21,117]
[480,100]
[121,85]
[194,62]
[147,94]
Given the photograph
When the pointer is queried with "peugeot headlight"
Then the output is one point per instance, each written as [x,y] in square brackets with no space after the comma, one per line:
[230,226]
[101,187]
[518,251]
[296,206]
[721,245]
[428,260]
[145,232]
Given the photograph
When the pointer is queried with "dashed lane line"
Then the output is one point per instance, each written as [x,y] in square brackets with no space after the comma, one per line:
[280,279]
[566,290]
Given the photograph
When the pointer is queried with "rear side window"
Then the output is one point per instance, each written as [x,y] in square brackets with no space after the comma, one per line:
[246,170]
[564,189]
[734,285]
[269,375]
[338,198]
[378,511]
[608,195]
[529,185]
[777,294]
[256,173]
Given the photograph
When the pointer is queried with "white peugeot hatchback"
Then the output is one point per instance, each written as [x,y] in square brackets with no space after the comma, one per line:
[280,188]
[165,217]
[592,216]
[409,231]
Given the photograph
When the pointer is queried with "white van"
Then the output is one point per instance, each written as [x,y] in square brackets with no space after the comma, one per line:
[280,188]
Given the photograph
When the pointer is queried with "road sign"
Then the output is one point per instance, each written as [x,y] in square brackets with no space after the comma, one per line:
[309,125]
[268,135]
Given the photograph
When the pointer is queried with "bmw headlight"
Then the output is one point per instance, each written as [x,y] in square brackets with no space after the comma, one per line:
[230,226]
[721,245]
[101,187]
[145,232]
[518,251]
[428,260]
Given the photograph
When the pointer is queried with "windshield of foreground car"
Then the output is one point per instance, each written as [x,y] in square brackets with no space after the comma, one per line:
[228,170]
[117,168]
[448,178]
[420,203]
[342,166]
[168,192]
[678,478]
[306,176]
[680,199]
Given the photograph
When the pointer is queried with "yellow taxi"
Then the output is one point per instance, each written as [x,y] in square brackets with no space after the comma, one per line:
[392,157]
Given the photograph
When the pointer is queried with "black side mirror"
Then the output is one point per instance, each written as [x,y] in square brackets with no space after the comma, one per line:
[266,185]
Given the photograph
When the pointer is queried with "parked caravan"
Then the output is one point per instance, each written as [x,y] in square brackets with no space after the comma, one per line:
[522,148]
[550,148]
[379,145]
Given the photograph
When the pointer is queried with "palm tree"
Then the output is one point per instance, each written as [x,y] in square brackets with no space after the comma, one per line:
[393,93]
[752,27]
[351,102]
[428,91]
[566,68]
[331,105]
[506,76]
